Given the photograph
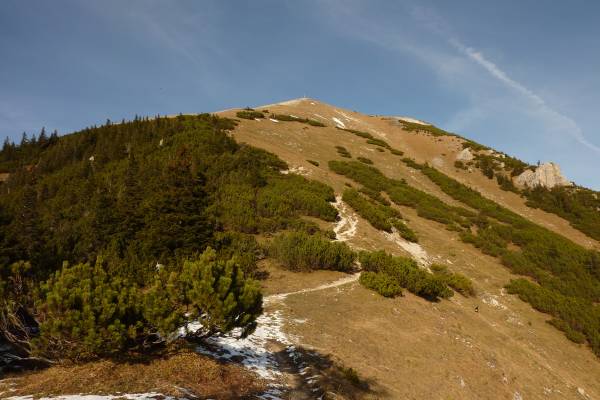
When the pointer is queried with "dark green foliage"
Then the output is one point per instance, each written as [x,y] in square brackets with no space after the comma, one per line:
[411,163]
[577,205]
[378,142]
[343,152]
[506,183]
[313,162]
[365,160]
[473,145]
[86,313]
[362,134]
[561,267]
[576,317]
[137,195]
[299,251]
[380,282]
[430,129]
[459,164]
[219,296]
[456,281]
[240,247]
[374,195]
[249,114]
[406,273]
[284,117]
[373,140]
[427,206]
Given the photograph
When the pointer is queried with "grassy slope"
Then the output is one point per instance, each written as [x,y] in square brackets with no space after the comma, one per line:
[506,319]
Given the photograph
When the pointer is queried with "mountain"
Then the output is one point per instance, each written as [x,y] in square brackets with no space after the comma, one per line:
[488,289]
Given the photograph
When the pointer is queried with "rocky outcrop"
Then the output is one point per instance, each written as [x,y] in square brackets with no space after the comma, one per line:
[547,175]
[465,155]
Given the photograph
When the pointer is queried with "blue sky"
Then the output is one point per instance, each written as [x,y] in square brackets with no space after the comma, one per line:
[520,76]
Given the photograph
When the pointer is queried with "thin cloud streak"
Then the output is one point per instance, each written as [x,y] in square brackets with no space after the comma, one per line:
[569,124]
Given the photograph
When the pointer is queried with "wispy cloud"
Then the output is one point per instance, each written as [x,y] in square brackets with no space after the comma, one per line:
[453,62]
[568,124]
[430,19]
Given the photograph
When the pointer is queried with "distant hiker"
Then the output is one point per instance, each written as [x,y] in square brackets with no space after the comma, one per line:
[476,308]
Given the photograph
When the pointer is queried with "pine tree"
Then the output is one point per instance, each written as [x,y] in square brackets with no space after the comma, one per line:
[43,138]
[176,218]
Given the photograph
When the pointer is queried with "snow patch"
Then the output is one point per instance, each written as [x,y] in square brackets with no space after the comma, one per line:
[252,352]
[300,170]
[273,120]
[413,120]
[345,228]
[339,123]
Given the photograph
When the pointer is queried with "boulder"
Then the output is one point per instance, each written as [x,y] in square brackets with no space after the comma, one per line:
[547,175]
[465,155]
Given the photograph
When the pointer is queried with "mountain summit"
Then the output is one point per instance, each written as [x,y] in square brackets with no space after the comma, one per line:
[294,250]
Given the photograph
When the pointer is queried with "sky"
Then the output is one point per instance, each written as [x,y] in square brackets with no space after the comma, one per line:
[521,76]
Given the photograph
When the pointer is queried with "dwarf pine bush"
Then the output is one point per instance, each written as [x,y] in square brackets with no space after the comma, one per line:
[299,251]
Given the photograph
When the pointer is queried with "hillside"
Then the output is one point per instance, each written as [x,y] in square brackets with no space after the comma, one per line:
[482,264]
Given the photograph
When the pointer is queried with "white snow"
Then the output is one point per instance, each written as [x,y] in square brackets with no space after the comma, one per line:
[345,228]
[252,351]
[273,120]
[338,122]
[300,170]
[413,120]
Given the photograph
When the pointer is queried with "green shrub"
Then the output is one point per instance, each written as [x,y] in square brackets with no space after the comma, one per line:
[289,118]
[378,142]
[249,114]
[456,281]
[406,273]
[313,162]
[87,313]
[365,160]
[342,151]
[396,152]
[380,282]
[219,296]
[459,164]
[380,216]
[299,251]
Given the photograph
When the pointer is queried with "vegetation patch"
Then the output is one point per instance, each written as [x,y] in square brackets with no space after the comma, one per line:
[566,272]
[313,162]
[180,375]
[456,281]
[131,230]
[299,251]
[289,118]
[343,152]
[383,270]
[365,160]
[373,140]
[249,113]
[380,216]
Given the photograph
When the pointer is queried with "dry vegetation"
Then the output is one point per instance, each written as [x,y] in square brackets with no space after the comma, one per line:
[183,374]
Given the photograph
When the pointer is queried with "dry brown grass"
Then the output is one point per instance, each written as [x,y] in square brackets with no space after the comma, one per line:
[179,375]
